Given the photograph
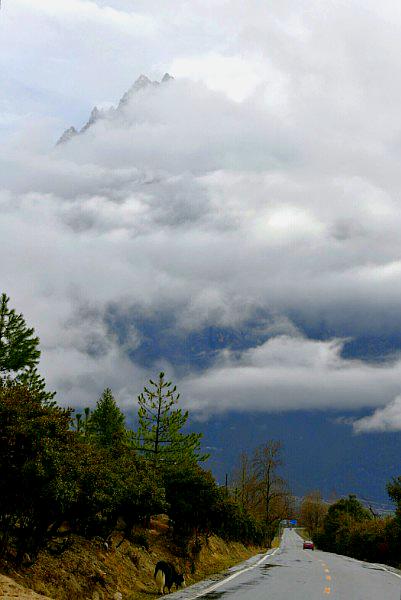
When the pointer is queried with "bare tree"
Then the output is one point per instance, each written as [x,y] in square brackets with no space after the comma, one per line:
[245,485]
[273,490]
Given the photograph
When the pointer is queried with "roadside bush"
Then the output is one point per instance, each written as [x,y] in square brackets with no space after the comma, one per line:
[191,495]
[350,529]
[233,523]
[197,505]
[110,485]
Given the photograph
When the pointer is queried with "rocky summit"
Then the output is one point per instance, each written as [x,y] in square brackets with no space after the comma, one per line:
[143,82]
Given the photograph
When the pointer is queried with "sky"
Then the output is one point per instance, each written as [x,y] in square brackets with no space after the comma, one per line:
[255,196]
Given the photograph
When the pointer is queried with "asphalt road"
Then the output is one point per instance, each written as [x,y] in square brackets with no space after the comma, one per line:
[292,573]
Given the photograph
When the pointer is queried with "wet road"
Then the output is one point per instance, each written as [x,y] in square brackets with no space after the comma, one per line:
[293,573]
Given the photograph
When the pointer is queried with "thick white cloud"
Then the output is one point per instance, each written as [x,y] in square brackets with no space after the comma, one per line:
[383,419]
[293,373]
[264,180]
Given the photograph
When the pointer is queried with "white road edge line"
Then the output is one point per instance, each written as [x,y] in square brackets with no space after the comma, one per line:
[378,566]
[224,581]
[383,568]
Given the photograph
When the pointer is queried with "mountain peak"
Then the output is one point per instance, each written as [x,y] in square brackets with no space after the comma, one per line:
[67,135]
[141,83]
[94,116]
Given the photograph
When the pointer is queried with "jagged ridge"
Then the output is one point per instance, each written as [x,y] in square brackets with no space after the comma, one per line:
[140,84]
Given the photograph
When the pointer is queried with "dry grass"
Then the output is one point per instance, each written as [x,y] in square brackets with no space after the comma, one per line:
[88,571]
[303,533]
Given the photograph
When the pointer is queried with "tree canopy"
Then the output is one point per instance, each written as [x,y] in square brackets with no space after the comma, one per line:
[18,343]
[159,437]
[107,422]
[19,353]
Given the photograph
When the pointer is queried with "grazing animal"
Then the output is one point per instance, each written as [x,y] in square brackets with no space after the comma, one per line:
[167,576]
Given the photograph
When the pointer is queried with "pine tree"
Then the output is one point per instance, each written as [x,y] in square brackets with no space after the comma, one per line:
[19,353]
[107,422]
[36,385]
[159,437]
[18,344]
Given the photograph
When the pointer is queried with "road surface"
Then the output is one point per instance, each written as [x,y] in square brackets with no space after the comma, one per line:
[296,574]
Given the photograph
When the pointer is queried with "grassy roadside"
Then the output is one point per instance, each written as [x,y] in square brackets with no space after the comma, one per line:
[301,531]
[89,571]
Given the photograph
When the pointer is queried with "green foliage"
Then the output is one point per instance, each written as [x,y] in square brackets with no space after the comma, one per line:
[34,440]
[81,425]
[49,474]
[394,491]
[18,344]
[19,353]
[109,486]
[338,522]
[56,467]
[233,523]
[31,379]
[350,529]
[198,506]
[107,422]
[159,437]
[191,494]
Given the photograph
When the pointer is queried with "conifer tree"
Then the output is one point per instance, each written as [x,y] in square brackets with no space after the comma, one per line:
[107,422]
[159,437]
[18,343]
[19,353]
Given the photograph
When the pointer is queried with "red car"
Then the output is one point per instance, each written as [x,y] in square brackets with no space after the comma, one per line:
[308,545]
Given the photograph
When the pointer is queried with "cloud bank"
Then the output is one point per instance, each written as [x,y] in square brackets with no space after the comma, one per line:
[261,185]
[293,373]
[382,419]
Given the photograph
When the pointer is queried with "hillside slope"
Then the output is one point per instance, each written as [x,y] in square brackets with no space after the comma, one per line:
[90,570]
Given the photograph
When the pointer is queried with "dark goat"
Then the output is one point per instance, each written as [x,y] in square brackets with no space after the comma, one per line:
[167,576]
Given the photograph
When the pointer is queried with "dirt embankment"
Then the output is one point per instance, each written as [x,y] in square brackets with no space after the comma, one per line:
[88,570]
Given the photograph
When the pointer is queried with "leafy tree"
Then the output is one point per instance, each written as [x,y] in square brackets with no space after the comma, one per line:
[198,507]
[159,437]
[341,519]
[110,485]
[312,512]
[351,507]
[106,423]
[232,522]
[191,493]
[394,491]
[19,352]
